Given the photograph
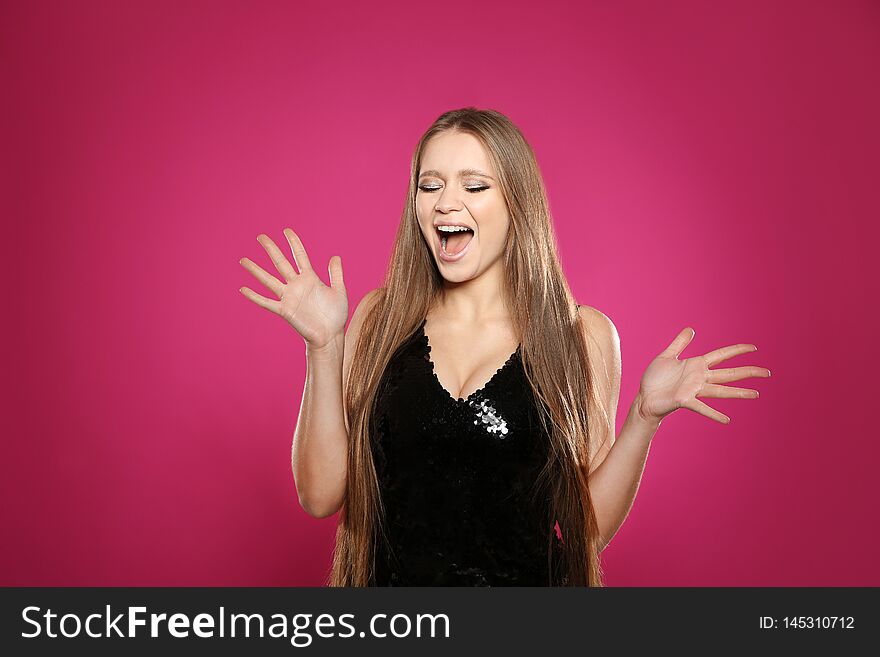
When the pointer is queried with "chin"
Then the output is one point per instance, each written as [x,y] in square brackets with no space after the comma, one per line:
[457,277]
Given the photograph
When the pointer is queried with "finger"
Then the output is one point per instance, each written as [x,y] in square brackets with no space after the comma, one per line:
[723,375]
[281,264]
[681,341]
[708,411]
[725,353]
[711,390]
[298,250]
[263,276]
[268,304]
[336,280]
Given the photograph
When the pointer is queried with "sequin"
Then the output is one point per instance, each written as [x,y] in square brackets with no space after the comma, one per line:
[493,422]
[456,478]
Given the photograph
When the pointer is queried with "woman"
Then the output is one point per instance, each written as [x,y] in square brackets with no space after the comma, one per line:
[465,422]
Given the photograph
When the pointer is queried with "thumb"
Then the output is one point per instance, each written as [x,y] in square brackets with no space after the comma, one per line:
[682,340]
[336,279]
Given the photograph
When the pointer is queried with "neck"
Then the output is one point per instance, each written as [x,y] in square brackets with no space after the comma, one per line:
[476,299]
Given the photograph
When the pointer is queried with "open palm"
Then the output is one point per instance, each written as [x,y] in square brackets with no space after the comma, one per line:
[318,312]
[669,383]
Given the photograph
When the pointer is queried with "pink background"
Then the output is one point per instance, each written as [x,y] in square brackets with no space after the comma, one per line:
[708,166]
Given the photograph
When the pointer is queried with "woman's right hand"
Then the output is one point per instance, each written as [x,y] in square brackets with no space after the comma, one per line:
[316,311]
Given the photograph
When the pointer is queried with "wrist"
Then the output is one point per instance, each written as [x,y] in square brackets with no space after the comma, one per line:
[333,348]
[642,415]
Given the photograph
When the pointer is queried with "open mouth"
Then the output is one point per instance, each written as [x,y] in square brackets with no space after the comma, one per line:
[454,239]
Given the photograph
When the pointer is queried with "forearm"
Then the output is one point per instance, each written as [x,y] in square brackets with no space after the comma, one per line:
[320,442]
[614,484]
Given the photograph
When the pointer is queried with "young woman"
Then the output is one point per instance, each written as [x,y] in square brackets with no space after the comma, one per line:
[465,422]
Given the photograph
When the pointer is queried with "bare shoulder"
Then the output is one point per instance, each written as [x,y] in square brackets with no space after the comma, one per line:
[352,334]
[357,321]
[600,328]
[361,311]
[603,343]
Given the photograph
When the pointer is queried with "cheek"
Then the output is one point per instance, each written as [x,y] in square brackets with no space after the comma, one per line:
[423,216]
[498,237]
[493,221]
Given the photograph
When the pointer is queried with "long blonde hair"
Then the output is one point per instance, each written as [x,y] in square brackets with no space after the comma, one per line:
[554,354]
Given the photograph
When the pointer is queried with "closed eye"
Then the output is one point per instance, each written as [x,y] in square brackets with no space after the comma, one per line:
[472,190]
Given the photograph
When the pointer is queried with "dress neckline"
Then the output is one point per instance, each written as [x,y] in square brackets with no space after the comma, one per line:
[462,400]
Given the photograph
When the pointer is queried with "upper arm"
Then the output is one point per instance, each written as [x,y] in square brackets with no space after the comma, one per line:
[603,344]
[351,337]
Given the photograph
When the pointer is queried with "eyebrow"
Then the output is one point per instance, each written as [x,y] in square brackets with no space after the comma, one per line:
[461,172]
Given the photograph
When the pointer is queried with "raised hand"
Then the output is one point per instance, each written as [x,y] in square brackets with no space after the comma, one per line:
[669,384]
[318,312]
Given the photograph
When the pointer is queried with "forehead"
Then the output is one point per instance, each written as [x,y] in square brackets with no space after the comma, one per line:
[448,153]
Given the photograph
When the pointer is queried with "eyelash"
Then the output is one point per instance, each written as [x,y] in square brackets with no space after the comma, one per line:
[472,190]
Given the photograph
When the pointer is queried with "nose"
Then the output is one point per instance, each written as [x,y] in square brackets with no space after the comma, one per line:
[449,200]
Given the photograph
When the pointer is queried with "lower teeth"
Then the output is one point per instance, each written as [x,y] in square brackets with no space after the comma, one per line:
[443,246]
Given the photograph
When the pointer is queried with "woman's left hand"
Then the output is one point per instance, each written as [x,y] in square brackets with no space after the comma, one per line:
[669,384]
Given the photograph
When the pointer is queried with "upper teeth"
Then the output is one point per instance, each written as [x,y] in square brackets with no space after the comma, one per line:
[452,229]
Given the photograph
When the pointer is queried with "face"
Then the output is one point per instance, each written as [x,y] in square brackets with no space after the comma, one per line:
[458,188]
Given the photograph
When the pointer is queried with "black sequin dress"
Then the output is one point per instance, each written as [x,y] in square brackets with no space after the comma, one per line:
[456,478]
